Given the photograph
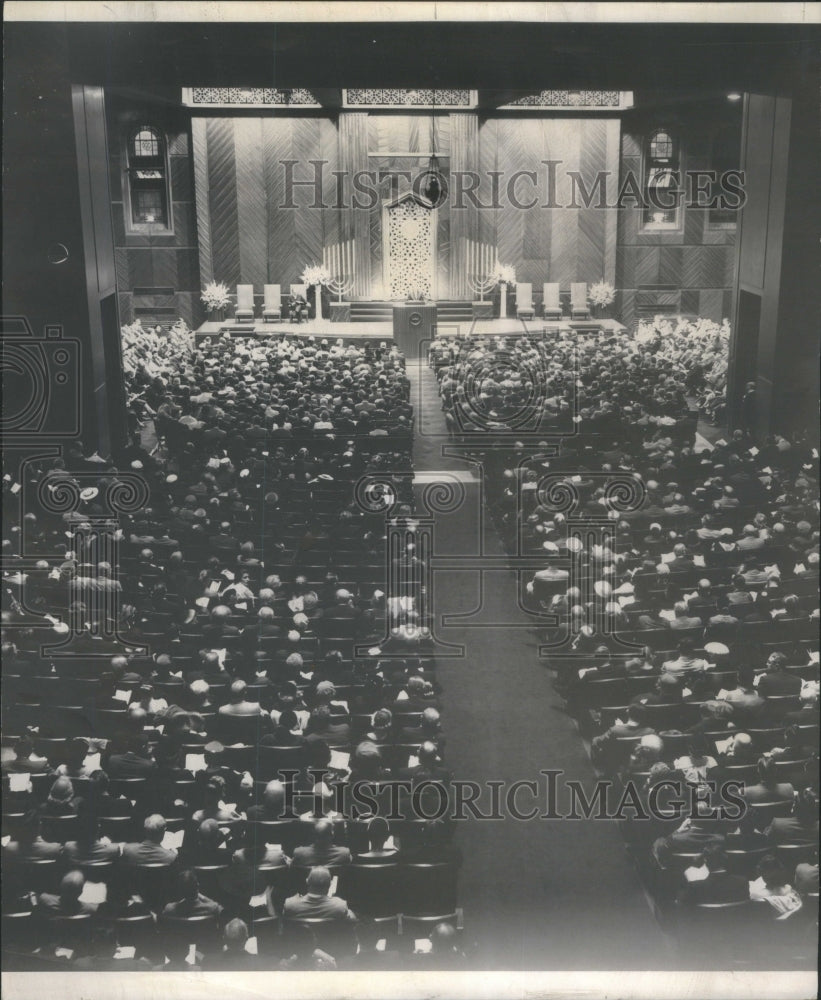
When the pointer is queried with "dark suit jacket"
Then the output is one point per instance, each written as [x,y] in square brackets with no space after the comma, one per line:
[312,905]
[310,856]
[148,853]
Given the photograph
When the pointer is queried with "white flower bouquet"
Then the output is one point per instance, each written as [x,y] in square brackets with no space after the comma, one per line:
[504,274]
[315,274]
[215,295]
[601,294]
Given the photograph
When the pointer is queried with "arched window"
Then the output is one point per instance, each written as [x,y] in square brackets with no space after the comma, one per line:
[726,156]
[662,181]
[148,192]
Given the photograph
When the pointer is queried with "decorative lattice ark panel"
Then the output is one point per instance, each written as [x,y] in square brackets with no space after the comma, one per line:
[574,99]
[245,96]
[381,97]
[410,249]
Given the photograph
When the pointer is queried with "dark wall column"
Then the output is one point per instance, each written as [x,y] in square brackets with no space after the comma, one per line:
[775,340]
[107,389]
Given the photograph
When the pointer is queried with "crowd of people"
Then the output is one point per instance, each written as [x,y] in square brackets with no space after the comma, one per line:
[684,637]
[186,730]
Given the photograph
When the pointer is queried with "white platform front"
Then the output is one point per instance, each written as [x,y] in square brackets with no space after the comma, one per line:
[510,327]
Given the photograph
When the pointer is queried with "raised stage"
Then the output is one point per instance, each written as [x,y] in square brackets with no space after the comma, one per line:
[325,330]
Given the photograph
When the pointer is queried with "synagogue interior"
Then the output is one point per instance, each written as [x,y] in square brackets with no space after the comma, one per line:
[410,495]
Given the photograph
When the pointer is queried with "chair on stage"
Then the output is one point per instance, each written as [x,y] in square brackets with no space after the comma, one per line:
[272,303]
[579,308]
[244,313]
[524,300]
[551,303]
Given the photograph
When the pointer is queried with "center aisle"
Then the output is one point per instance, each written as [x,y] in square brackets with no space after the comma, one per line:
[538,894]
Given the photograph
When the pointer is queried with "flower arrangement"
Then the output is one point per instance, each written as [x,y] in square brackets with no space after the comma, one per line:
[504,274]
[415,293]
[678,328]
[315,274]
[601,294]
[156,351]
[215,295]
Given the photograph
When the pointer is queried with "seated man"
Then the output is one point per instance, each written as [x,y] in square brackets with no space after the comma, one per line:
[635,726]
[776,680]
[686,662]
[233,955]
[89,847]
[710,882]
[444,952]
[273,805]
[191,903]
[208,847]
[323,850]
[740,751]
[316,902]
[768,789]
[238,705]
[149,851]
[747,703]
[772,886]
[681,619]
[695,833]
[67,903]
[801,827]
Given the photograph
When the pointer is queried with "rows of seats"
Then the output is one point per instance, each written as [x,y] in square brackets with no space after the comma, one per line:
[682,634]
[222,741]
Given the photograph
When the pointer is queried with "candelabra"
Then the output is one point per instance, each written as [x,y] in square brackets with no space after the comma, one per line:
[481,283]
[340,285]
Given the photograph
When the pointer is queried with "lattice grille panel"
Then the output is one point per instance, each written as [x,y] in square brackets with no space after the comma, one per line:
[571,99]
[249,96]
[382,97]
[411,244]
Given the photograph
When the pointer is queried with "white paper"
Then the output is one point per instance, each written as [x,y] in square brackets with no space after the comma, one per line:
[334,884]
[422,946]
[124,696]
[339,761]
[413,761]
[94,892]
[20,782]
[381,944]
[92,762]
[125,951]
[195,762]
[699,561]
[173,840]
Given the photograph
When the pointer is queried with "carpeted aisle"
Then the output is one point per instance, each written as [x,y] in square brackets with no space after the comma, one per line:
[542,894]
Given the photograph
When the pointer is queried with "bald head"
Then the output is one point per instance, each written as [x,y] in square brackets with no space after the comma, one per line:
[443,937]
[323,832]
[318,881]
[154,828]
[71,885]
[274,795]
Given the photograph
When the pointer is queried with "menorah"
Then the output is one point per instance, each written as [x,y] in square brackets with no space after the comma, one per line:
[340,285]
[481,283]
